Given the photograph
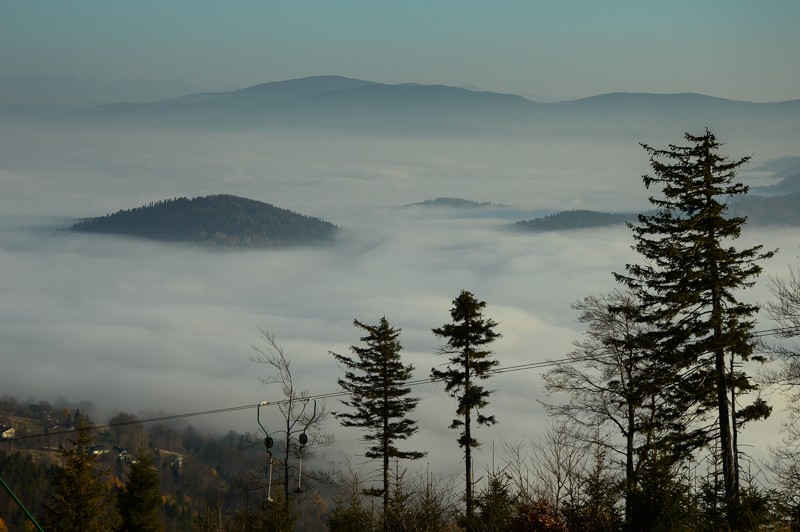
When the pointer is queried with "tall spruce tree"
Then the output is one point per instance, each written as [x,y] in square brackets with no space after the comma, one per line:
[377,380]
[688,286]
[467,337]
[81,497]
[139,501]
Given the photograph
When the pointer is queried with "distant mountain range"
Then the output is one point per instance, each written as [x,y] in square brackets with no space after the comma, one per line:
[221,220]
[333,102]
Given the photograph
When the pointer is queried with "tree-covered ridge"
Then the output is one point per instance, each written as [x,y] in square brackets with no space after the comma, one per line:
[763,210]
[759,211]
[788,185]
[452,202]
[223,220]
[574,219]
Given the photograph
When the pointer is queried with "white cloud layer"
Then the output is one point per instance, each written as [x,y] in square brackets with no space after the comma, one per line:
[144,326]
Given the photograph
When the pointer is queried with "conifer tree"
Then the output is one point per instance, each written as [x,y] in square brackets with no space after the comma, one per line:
[688,286]
[139,502]
[81,497]
[467,337]
[376,379]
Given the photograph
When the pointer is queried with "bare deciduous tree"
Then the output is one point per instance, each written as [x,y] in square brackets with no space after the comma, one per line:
[300,414]
[611,381]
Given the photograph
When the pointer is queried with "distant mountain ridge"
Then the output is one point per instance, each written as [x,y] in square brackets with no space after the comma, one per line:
[220,220]
[788,185]
[328,101]
[343,103]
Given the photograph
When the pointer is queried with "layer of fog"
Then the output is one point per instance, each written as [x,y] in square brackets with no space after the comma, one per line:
[144,326]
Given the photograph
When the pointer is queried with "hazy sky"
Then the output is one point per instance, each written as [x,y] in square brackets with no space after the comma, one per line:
[738,49]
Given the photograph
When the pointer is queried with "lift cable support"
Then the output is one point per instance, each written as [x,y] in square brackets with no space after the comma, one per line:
[303,439]
[268,442]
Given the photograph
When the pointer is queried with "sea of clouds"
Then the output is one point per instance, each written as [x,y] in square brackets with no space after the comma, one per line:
[144,326]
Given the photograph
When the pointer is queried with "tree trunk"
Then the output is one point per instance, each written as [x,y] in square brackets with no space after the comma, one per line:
[722,401]
[385,442]
[468,442]
[286,457]
[721,378]
[630,480]
[735,440]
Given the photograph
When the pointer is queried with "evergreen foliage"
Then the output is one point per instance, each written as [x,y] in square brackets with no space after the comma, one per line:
[81,497]
[662,499]
[139,502]
[376,379]
[687,287]
[496,503]
[281,514]
[350,516]
[221,220]
[467,337]
[29,481]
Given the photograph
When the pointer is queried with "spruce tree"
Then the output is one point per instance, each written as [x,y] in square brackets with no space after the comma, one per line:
[81,497]
[139,502]
[467,337]
[688,285]
[376,379]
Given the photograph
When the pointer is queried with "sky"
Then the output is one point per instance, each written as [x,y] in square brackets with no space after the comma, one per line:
[736,49]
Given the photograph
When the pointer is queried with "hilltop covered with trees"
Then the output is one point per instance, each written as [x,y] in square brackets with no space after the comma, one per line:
[458,203]
[574,219]
[221,220]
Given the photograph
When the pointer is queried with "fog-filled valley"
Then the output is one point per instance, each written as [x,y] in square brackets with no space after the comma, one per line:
[148,327]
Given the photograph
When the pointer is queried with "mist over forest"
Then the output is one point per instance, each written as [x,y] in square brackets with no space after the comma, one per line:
[146,326]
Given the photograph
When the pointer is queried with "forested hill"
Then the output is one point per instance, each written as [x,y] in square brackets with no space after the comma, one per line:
[221,220]
[759,211]
[575,219]
[452,203]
